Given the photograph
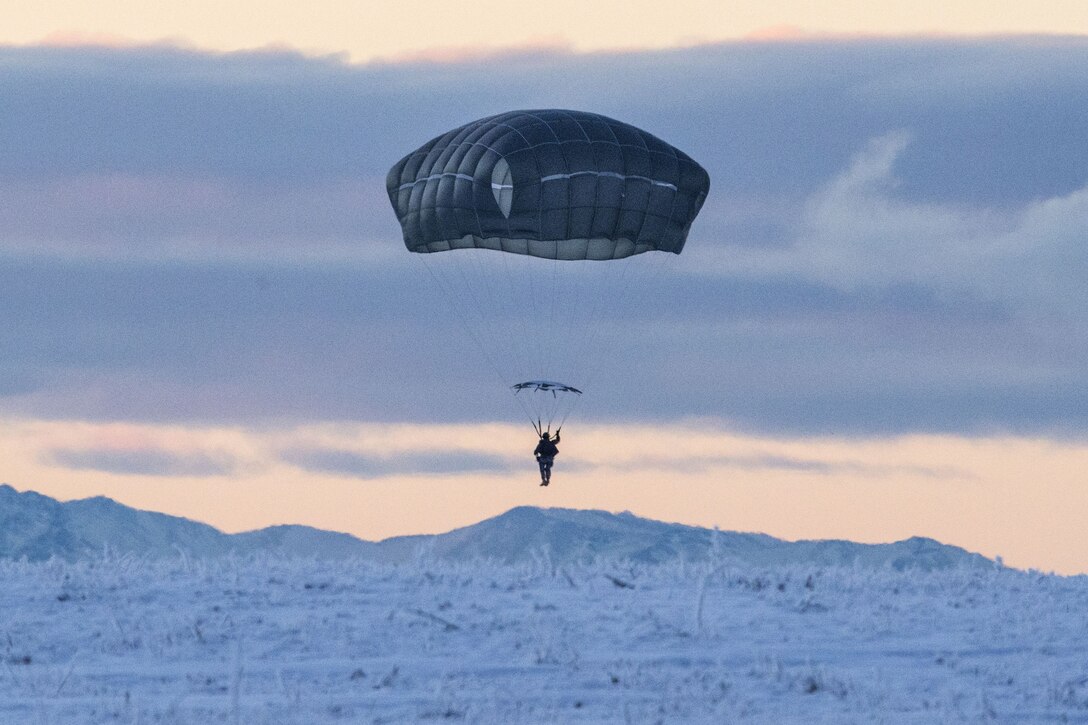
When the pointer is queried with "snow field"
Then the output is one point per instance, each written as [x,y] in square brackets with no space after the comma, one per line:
[267,640]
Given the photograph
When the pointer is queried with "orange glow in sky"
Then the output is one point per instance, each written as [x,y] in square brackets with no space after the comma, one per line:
[383,29]
[1022,499]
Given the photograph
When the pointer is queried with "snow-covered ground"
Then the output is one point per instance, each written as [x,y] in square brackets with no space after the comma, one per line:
[263,640]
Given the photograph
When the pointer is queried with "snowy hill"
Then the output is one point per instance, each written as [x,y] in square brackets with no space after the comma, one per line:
[563,535]
[36,527]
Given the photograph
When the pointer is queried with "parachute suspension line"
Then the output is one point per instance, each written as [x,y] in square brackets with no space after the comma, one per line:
[577,294]
[528,413]
[536,334]
[513,296]
[586,293]
[570,409]
[537,420]
[553,323]
[592,291]
[490,307]
[536,321]
[538,270]
[545,301]
[551,402]
[458,294]
[530,330]
[468,280]
[573,296]
[595,329]
[502,339]
[527,327]
[534,330]
[462,316]
[560,342]
[637,269]
[460,260]
[550,409]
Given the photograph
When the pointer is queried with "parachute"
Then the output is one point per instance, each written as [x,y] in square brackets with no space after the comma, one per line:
[546,410]
[529,222]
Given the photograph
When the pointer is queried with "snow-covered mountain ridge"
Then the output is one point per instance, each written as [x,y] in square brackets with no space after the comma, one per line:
[37,527]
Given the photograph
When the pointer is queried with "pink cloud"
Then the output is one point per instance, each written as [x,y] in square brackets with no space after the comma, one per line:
[547,46]
[79,38]
[786,33]
[782,31]
[115,41]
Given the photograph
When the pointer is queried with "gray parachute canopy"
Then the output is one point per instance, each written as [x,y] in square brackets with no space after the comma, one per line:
[556,184]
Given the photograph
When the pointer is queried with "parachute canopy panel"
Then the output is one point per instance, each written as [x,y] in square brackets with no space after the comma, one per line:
[555,184]
[546,386]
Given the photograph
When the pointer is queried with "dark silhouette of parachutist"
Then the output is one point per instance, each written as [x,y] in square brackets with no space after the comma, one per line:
[546,451]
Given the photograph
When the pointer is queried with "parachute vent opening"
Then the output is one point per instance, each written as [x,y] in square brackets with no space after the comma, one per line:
[502,186]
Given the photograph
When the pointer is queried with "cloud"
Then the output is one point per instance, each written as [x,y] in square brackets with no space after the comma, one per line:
[73,38]
[857,232]
[782,31]
[541,48]
[771,462]
[150,146]
[468,452]
[360,465]
[253,155]
[163,216]
[141,462]
[428,459]
[893,240]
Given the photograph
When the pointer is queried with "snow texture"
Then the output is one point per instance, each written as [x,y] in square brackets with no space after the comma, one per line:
[268,639]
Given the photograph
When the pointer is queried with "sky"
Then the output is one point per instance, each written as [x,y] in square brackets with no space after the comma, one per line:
[874,332]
